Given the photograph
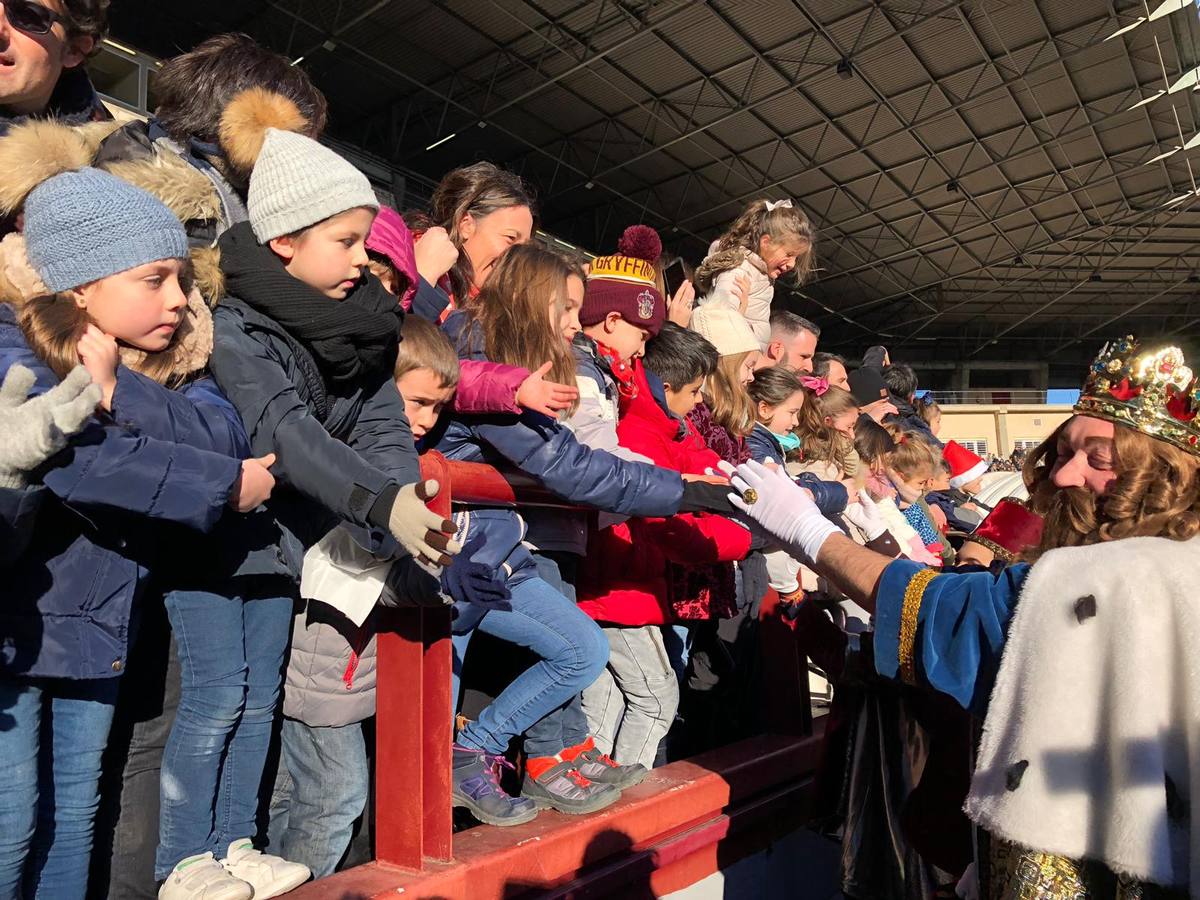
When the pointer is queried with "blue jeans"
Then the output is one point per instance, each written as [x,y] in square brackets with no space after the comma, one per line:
[678,641]
[52,737]
[459,644]
[566,726]
[231,663]
[573,652]
[320,792]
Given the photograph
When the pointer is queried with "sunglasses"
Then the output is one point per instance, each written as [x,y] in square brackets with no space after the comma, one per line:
[30,17]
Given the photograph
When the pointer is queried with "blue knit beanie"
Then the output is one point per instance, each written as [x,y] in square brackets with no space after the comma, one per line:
[85,225]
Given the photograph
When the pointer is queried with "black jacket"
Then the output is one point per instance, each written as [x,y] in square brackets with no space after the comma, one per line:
[338,457]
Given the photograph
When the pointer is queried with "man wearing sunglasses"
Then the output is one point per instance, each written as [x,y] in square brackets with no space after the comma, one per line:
[43,46]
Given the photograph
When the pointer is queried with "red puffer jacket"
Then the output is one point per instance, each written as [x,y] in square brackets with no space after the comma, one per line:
[656,571]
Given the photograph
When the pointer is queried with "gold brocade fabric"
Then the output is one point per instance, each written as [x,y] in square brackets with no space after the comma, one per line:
[1018,874]
[914,594]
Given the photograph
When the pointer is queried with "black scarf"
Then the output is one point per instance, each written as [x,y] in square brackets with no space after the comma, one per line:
[350,339]
[73,102]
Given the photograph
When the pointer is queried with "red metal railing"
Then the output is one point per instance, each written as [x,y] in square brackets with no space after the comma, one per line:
[670,828]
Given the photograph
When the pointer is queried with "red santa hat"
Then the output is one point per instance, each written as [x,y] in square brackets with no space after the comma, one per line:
[965,466]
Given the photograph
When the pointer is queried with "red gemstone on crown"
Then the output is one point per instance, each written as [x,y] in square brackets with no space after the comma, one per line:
[1125,391]
[1179,406]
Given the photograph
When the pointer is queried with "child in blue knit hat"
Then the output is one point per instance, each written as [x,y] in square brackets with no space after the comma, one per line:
[164,456]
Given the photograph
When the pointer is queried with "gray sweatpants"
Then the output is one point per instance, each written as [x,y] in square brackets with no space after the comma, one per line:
[631,706]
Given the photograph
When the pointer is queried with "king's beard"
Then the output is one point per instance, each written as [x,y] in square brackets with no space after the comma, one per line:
[1071,517]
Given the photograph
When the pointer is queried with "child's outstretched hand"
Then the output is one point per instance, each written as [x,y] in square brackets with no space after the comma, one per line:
[547,397]
[709,477]
[435,254]
[254,487]
[420,531]
[99,355]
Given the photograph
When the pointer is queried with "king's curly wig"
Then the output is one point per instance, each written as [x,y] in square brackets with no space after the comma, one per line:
[1156,494]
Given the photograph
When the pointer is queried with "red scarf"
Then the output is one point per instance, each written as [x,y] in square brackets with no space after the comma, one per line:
[622,372]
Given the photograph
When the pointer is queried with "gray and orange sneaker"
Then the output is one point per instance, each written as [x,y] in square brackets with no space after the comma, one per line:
[602,768]
[555,783]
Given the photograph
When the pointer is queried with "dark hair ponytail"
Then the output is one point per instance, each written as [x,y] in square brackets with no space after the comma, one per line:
[478,191]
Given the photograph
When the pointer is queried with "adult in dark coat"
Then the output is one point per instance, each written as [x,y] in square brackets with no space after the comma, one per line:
[45,45]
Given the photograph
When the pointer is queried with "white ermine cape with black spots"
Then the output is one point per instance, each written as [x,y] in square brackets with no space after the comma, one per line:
[1091,746]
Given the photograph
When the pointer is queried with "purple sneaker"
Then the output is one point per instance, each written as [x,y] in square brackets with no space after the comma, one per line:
[475,786]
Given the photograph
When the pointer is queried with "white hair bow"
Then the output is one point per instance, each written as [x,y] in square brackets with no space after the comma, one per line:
[784,204]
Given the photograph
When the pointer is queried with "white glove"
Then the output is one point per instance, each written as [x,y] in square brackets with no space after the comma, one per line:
[417,529]
[784,509]
[31,431]
[865,515]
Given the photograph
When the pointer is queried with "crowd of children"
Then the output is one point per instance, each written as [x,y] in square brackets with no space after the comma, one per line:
[227,399]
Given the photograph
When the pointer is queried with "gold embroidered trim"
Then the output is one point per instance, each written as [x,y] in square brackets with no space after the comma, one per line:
[914,594]
[1001,552]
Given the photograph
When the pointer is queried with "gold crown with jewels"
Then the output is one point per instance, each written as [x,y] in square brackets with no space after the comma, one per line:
[1152,392]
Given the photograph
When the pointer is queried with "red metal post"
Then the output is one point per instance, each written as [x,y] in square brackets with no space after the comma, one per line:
[413,724]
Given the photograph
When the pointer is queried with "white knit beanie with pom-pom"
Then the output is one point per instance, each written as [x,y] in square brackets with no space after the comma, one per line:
[295,182]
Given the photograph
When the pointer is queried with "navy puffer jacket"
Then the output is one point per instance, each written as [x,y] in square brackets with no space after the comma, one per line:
[548,451]
[69,598]
[18,512]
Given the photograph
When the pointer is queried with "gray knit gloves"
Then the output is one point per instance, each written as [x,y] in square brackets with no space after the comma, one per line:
[422,532]
[31,431]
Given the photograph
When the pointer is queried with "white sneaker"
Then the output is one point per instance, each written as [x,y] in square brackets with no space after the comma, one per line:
[269,875]
[203,878]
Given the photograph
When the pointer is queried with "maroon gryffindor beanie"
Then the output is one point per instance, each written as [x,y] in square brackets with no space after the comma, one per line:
[624,283]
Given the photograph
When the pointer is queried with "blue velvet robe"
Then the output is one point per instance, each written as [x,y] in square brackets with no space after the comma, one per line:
[961,626]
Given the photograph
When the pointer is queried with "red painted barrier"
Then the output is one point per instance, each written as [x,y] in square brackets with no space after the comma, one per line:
[412,760]
[684,822]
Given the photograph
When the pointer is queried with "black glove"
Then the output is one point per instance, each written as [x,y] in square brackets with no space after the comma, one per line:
[472,582]
[700,496]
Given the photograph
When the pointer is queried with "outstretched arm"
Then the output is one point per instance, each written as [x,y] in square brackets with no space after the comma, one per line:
[853,568]
[944,630]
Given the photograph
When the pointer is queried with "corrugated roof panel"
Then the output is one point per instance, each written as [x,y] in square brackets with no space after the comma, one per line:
[742,131]
[705,40]
[839,96]
[897,150]
[654,64]
[766,22]
[503,23]
[943,49]
[869,25]
[991,115]
[893,69]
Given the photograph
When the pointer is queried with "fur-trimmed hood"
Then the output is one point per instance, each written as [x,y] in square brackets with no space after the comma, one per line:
[186,358]
[722,261]
[36,150]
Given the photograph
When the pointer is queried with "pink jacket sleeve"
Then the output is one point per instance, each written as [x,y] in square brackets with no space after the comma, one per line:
[488,387]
